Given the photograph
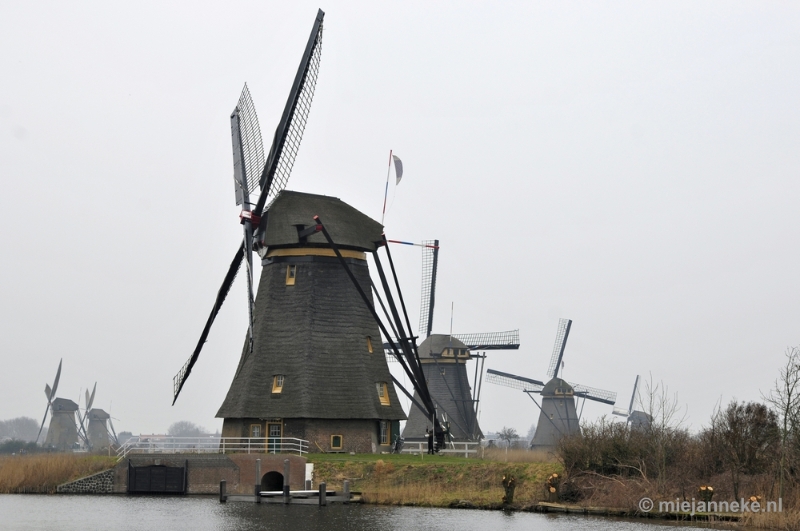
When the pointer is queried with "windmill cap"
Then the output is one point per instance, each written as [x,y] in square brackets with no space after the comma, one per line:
[64,404]
[436,344]
[348,227]
[98,414]
[557,386]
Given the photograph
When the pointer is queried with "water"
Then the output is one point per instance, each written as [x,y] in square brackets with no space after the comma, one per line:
[120,513]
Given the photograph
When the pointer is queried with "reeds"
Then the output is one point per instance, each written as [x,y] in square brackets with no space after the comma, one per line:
[42,473]
[438,483]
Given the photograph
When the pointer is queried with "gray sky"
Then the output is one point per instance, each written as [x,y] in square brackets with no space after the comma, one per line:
[630,166]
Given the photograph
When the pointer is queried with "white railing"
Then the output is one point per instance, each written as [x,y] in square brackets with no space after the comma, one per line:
[211,445]
[466,449]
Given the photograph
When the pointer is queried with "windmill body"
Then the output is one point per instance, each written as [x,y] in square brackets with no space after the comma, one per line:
[98,432]
[444,362]
[557,417]
[313,373]
[638,420]
[62,433]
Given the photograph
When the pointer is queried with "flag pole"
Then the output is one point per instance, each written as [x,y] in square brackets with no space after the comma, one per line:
[386,191]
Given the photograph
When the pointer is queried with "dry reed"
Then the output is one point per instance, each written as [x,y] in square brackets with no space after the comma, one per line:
[42,473]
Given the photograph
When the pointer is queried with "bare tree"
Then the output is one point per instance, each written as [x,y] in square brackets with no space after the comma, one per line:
[666,421]
[785,399]
[508,434]
[20,428]
[747,435]
[184,428]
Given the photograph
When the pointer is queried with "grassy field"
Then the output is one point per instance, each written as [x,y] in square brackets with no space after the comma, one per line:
[42,473]
[436,481]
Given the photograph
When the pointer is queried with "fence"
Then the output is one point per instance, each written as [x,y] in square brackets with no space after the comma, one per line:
[211,445]
[453,448]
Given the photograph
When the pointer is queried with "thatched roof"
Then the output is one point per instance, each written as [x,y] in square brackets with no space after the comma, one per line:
[348,227]
[435,344]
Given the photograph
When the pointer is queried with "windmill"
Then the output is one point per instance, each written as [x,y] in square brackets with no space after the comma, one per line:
[50,392]
[444,358]
[62,434]
[558,415]
[95,424]
[306,369]
[637,419]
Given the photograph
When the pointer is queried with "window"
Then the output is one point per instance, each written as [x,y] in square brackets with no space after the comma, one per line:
[255,430]
[291,273]
[383,393]
[385,435]
[336,442]
[369,344]
[277,383]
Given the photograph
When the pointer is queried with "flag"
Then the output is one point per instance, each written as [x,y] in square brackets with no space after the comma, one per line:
[398,168]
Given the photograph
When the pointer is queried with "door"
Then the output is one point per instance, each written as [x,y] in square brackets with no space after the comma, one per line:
[274,434]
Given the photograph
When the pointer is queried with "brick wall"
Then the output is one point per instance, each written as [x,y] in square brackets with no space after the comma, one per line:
[359,436]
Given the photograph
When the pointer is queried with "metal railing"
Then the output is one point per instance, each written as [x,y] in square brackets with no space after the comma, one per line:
[211,445]
[454,448]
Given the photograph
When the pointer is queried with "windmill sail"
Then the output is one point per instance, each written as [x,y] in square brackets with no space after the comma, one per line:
[250,148]
[289,132]
[558,349]
[490,340]
[430,262]
[513,381]
[277,168]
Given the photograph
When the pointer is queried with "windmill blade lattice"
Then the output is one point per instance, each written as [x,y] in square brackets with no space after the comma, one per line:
[593,393]
[251,144]
[559,346]
[289,132]
[513,381]
[490,340]
[430,260]
[183,374]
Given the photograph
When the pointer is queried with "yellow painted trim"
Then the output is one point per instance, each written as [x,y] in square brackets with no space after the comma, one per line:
[313,251]
[341,442]
[291,274]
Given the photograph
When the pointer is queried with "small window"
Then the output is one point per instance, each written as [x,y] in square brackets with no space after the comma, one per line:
[277,383]
[369,344]
[383,393]
[255,430]
[291,273]
[385,432]
[336,442]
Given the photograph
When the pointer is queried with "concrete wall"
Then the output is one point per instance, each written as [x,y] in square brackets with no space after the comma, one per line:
[205,471]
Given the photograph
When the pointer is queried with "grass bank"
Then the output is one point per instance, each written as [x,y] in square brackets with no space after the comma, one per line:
[436,481]
[42,473]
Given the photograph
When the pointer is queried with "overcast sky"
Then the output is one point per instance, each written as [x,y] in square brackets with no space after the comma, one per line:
[631,166]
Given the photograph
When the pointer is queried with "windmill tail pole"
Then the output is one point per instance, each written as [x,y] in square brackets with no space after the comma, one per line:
[321,228]
[386,190]
[413,376]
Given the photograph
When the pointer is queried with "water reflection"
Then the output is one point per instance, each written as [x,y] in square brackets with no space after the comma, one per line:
[121,513]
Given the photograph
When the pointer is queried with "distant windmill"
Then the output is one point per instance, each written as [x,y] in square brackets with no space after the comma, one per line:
[558,415]
[443,358]
[637,419]
[63,432]
[50,392]
[95,425]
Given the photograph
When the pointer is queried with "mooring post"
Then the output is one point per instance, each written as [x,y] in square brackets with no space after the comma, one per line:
[322,501]
[257,490]
[286,493]
[308,484]
[346,489]
[223,495]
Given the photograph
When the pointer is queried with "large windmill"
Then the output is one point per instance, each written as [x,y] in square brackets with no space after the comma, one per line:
[636,418]
[307,368]
[558,415]
[444,358]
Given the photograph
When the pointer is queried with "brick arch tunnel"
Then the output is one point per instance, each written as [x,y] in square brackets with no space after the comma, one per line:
[272,481]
